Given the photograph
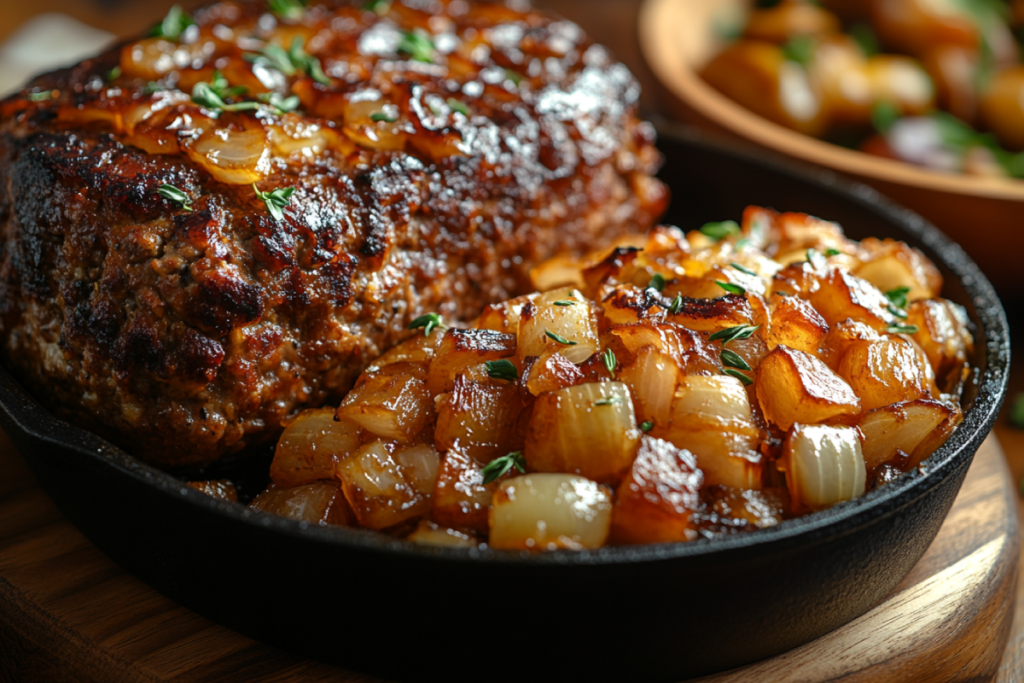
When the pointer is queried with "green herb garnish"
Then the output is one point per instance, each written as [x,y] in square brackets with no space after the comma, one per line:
[799,50]
[381,116]
[418,45]
[897,328]
[499,466]
[731,359]
[292,10]
[782,292]
[832,252]
[865,38]
[42,96]
[501,369]
[114,74]
[738,375]
[657,282]
[677,304]
[720,230]
[646,426]
[173,25]
[898,296]
[884,116]
[456,105]
[511,75]
[730,287]
[734,333]
[378,7]
[1017,412]
[429,322]
[275,200]
[291,62]
[212,95]
[743,269]
[610,401]
[566,302]
[559,338]
[279,105]
[174,194]
[610,361]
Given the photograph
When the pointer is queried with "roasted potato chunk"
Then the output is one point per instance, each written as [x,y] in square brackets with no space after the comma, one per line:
[481,419]
[462,349]
[884,371]
[656,501]
[793,386]
[795,323]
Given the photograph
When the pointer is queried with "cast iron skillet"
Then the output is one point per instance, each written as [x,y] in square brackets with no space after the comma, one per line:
[379,605]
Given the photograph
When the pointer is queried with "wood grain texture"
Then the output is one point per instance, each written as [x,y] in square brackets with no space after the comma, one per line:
[69,614]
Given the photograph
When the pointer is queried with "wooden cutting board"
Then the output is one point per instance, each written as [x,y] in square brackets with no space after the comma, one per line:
[69,614]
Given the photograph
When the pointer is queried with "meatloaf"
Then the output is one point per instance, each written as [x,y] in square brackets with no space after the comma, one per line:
[212,227]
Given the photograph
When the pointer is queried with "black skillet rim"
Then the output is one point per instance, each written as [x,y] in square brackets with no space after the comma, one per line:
[35,422]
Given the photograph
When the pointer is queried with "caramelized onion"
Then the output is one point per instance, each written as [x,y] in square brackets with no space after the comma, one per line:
[236,157]
[550,511]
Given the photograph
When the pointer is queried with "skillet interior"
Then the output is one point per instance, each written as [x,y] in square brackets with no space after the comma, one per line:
[657,612]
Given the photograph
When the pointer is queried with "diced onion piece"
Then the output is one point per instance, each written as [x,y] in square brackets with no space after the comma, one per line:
[795,323]
[461,499]
[420,348]
[481,419]
[550,511]
[391,406]
[379,491]
[711,417]
[883,372]
[298,137]
[221,489]
[917,428]
[652,378]
[320,503]
[235,157]
[656,500]
[311,446]
[542,319]
[589,429]
[428,533]
[793,386]
[461,349]
[504,316]
[824,465]
[419,465]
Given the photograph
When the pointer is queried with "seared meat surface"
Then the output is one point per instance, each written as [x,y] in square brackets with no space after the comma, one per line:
[437,151]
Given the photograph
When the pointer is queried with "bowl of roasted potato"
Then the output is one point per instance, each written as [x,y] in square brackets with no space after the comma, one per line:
[920,100]
[697,448]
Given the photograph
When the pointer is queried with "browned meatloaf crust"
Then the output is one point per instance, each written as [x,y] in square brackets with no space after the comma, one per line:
[187,335]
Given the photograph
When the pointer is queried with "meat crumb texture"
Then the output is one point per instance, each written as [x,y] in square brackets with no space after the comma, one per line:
[209,229]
